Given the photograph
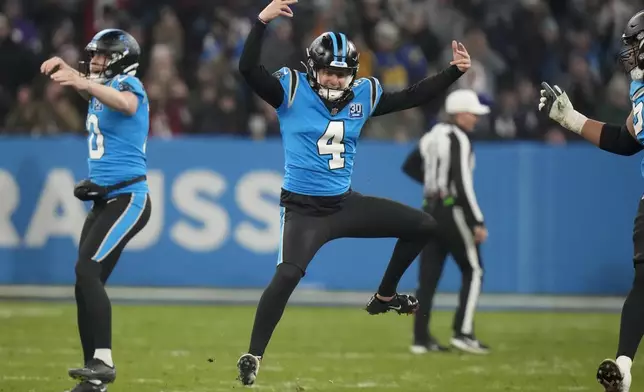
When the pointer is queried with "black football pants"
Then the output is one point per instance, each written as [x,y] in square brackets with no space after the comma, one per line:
[304,234]
[456,238]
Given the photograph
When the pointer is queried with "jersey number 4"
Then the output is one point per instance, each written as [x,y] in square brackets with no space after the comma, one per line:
[332,143]
[95,141]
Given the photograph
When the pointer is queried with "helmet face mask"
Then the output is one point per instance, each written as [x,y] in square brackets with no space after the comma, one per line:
[96,65]
[630,52]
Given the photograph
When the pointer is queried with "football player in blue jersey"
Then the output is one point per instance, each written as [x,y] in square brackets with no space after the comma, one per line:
[626,139]
[321,113]
[117,123]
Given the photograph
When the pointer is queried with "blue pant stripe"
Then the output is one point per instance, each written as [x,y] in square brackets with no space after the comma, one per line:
[122,226]
[280,255]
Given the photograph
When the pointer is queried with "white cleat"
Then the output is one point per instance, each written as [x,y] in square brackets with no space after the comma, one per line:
[469,345]
[248,366]
[612,377]
[418,350]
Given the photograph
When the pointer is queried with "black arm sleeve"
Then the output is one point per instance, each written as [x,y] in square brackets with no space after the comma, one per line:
[419,93]
[257,77]
[413,165]
[462,176]
[618,140]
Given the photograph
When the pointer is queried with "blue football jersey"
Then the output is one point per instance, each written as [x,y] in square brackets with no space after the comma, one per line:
[319,147]
[637,98]
[117,141]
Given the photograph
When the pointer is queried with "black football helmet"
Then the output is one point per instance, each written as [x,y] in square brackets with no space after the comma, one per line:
[632,54]
[121,50]
[335,53]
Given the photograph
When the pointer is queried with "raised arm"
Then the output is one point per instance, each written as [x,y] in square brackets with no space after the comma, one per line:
[428,88]
[258,77]
[419,93]
[616,139]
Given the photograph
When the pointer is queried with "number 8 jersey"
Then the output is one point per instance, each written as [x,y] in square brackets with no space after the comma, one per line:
[319,146]
[117,141]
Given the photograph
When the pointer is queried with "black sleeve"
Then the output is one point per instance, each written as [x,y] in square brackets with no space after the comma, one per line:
[618,140]
[257,77]
[462,176]
[413,165]
[419,93]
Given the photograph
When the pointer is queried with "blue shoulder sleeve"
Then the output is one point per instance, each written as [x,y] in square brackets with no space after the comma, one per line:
[370,86]
[289,79]
[129,83]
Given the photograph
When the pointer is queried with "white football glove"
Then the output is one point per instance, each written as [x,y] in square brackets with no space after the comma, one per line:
[556,104]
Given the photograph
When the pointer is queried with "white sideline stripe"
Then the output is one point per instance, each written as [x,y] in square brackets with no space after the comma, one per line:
[147,381]
[304,296]
[25,378]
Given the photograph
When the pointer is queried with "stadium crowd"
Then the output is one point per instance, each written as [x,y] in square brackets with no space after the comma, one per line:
[191,49]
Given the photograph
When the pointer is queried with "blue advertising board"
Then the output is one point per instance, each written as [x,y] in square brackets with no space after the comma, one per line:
[560,218]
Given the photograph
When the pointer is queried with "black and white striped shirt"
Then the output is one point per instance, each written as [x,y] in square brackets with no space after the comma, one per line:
[446,162]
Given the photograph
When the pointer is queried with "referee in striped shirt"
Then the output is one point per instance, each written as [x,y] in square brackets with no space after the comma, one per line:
[443,163]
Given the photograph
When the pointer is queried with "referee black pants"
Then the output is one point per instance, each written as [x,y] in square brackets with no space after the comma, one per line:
[456,238]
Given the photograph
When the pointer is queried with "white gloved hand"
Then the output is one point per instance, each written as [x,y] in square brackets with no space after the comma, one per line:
[556,104]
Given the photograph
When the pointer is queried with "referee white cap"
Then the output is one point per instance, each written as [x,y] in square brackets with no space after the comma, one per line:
[465,101]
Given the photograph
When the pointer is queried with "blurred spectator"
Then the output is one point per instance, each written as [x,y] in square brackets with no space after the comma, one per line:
[23,117]
[56,112]
[278,49]
[615,105]
[168,31]
[167,92]
[24,31]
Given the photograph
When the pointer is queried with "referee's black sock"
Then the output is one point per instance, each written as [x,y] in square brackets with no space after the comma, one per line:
[632,323]
[271,306]
[84,326]
[97,304]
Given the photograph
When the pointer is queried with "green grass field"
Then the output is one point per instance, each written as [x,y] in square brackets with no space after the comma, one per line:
[167,348]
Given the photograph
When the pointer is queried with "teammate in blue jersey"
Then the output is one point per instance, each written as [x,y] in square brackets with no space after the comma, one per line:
[321,114]
[117,123]
[627,139]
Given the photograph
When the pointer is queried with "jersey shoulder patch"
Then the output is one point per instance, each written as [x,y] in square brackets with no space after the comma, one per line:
[128,83]
[370,86]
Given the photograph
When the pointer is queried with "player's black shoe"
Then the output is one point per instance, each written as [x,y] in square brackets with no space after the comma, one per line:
[95,369]
[248,366]
[610,376]
[87,386]
[401,303]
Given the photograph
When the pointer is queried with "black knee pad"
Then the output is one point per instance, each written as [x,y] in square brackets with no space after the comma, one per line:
[288,274]
[87,269]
